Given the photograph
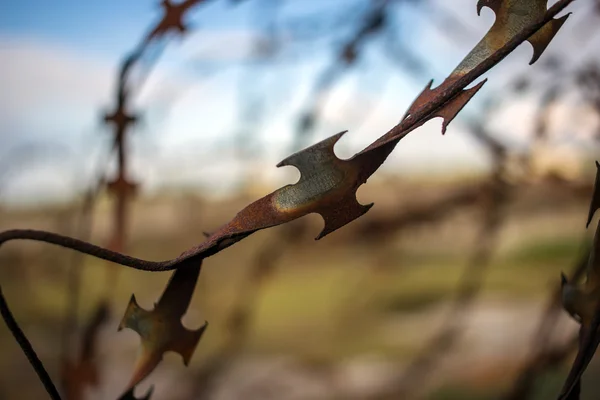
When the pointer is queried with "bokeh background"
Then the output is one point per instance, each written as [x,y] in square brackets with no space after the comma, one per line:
[444,290]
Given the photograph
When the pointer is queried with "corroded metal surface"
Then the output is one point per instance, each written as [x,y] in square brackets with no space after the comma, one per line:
[172,19]
[161,329]
[328,185]
[450,109]
[512,16]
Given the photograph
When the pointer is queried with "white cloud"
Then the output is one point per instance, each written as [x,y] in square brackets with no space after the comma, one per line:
[56,94]
[44,82]
[50,96]
[226,46]
[53,92]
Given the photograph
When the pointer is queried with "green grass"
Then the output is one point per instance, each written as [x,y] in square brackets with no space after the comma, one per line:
[318,304]
[324,303]
[555,250]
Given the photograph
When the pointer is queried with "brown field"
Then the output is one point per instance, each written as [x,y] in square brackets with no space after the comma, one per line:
[338,318]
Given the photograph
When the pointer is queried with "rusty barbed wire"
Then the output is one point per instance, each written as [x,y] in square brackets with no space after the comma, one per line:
[582,303]
[543,355]
[121,119]
[328,185]
[161,329]
[473,275]
[75,375]
[124,189]
[445,101]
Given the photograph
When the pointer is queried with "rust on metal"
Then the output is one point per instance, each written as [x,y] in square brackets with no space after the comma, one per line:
[122,187]
[512,16]
[161,329]
[327,185]
[121,119]
[172,19]
[451,109]
[516,21]
[332,191]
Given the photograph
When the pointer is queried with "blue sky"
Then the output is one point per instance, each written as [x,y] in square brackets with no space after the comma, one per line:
[58,64]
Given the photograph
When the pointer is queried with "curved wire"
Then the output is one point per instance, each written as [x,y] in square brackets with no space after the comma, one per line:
[82,247]
[88,248]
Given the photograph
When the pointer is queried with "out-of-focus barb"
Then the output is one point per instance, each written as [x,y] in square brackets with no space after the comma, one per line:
[327,186]
[582,302]
[83,373]
[172,19]
[129,395]
[595,203]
